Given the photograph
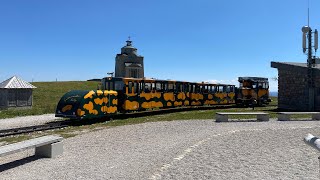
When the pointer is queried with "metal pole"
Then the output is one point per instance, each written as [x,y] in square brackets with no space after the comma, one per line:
[310,73]
[319,166]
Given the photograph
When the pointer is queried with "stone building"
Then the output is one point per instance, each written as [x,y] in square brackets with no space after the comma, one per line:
[15,92]
[293,90]
[129,63]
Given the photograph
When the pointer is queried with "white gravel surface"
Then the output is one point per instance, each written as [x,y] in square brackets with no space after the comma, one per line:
[27,121]
[198,149]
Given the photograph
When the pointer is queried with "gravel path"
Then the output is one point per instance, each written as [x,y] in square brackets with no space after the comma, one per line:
[26,121]
[198,149]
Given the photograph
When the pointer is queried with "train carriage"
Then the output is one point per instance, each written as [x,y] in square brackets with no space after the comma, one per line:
[253,91]
[121,95]
[218,94]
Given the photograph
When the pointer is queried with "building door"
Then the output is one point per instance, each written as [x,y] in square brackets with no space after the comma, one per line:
[317,99]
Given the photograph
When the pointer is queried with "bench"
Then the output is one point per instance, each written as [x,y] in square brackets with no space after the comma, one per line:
[223,116]
[45,146]
[285,116]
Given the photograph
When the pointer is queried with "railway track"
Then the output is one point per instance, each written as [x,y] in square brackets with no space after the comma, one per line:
[29,129]
[66,123]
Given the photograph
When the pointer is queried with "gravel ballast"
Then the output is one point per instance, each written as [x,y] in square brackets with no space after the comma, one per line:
[194,149]
[27,121]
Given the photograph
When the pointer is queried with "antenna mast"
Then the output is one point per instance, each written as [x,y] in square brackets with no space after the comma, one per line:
[307,36]
[308,13]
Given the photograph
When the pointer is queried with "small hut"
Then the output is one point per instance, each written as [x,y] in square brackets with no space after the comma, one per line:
[15,92]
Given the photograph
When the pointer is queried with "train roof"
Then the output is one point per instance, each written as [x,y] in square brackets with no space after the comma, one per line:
[153,80]
[254,79]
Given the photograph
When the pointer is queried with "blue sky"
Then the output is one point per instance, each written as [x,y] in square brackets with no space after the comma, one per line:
[195,40]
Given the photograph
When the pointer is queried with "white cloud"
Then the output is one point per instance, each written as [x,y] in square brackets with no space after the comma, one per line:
[232,81]
[273,84]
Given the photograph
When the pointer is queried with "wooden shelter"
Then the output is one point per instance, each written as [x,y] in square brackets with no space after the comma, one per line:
[15,92]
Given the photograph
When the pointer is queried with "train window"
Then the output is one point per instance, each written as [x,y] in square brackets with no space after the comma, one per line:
[153,86]
[206,89]
[147,87]
[165,87]
[111,87]
[179,87]
[241,85]
[136,87]
[265,85]
[158,86]
[106,86]
[170,87]
[254,85]
[213,89]
[227,89]
[186,87]
[220,88]
[231,88]
[118,85]
[197,89]
[130,84]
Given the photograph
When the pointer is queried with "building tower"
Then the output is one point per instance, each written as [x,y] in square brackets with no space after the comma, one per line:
[129,63]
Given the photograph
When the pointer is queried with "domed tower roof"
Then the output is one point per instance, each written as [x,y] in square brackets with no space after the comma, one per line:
[129,49]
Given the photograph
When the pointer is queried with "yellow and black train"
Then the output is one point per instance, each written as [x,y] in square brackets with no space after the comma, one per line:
[121,95]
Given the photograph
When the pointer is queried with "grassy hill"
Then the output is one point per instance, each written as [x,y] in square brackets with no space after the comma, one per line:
[47,95]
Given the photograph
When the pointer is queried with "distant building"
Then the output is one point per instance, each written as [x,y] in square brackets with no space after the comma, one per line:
[293,91]
[15,92]
[129,63]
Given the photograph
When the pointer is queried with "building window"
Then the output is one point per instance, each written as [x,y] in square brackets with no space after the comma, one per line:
[133,73]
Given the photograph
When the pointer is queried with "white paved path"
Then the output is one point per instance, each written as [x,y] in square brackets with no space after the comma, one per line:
[194,149]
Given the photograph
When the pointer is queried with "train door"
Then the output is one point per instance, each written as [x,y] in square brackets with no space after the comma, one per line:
[157,94]
[195,94]
[230,94]
[209,98]
[168,94]
[186,89]
[146,95]
[205,94]
[214,90]
[220,94]
[131,102]
[179,94]
[119,86]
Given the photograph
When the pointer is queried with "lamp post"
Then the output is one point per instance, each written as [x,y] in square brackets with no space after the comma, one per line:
[110,74]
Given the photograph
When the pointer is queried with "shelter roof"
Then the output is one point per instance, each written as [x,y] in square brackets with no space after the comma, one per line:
[254,79]
[16,83]
[292,64]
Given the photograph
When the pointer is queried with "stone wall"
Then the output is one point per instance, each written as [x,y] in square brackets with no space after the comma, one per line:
[293,89]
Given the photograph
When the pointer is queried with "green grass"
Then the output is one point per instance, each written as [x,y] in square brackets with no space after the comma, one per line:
[46,97]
